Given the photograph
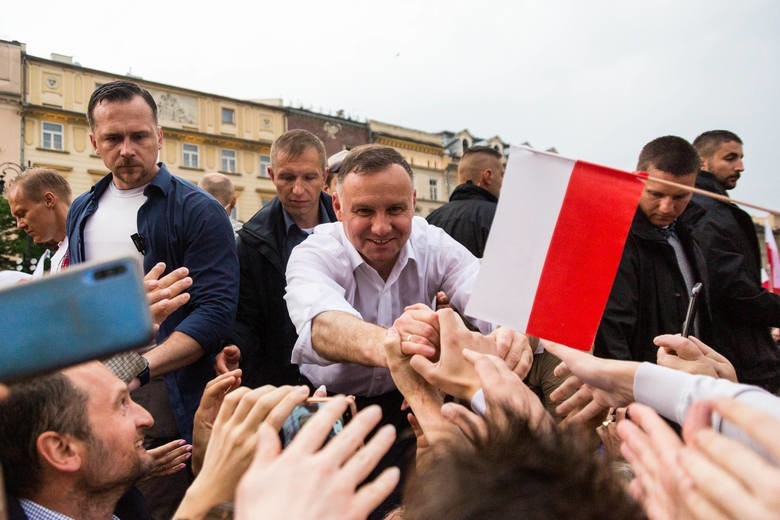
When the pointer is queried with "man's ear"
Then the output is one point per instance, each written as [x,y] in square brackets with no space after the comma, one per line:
[337,205]
[61,452]
[486,178]
[94,143]
[271,173]
[50,199]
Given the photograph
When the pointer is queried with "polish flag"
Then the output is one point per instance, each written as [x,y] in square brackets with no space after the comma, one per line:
[555,246]
[772,259]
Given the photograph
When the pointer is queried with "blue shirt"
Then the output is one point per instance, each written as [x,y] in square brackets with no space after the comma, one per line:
[296,235]
[35,511]
[181,225]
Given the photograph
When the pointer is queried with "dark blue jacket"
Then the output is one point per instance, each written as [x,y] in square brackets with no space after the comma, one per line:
[264,332]
[181,226]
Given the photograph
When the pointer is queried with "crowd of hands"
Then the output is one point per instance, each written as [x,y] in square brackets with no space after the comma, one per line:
[238,458]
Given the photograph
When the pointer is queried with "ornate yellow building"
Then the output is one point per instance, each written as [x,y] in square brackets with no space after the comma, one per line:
[43,105]
[427,157]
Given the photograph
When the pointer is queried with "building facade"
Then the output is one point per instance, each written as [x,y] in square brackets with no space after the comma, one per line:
[338,132]
[43,103]
[427,157]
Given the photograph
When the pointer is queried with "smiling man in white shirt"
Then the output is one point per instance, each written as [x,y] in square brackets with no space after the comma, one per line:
[352,279]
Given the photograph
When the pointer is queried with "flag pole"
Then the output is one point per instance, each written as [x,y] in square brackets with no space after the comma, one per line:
[645,177]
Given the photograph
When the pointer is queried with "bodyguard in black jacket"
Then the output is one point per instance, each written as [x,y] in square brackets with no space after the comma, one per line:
[649,296]
[742,310]
[264,331]
[468,215]
[650,293]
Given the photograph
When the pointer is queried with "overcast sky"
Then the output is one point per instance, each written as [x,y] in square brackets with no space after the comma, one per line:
[595,79]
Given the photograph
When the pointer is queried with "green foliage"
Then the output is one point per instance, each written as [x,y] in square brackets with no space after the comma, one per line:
[15,244]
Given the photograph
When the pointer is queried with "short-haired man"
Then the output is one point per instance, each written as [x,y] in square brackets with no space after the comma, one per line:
[39,199]
[352,279]
[140,208]
[469,214]
[742,310]
[219,186]
[661,262]
[71,443]
[264,332]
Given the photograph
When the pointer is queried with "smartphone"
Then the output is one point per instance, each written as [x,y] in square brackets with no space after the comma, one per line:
[690,315]
[303,412]
[87,311]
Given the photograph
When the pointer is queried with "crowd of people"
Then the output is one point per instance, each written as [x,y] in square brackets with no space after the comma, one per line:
[336,293]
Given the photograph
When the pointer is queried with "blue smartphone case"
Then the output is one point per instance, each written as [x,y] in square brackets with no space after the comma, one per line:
[88,311]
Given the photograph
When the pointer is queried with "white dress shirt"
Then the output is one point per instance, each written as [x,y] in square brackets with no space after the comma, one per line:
[326,273]
[672,392]
[56,259]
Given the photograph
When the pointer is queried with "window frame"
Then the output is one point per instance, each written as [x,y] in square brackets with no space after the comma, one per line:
[223,158]
[190,153]
[433,189]
[232,112]
[52,136]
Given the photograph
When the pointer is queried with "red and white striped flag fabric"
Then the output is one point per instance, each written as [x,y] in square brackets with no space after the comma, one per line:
[772,259]
[555,246]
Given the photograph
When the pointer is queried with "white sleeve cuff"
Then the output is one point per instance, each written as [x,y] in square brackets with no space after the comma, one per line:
[478,403]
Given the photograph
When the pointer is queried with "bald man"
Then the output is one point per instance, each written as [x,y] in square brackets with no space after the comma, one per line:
[468,215]
[221,188]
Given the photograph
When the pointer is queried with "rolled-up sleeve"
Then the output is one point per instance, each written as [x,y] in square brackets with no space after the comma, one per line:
[316,280]
[210,256]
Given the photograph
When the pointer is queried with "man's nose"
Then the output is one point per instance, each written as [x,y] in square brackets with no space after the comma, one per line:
[298,187]
[126,148]
[144,418]
[740,166]
[380,225]
[666,205]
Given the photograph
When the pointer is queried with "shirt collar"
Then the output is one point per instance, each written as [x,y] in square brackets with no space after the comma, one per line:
[289,222]
[35,511]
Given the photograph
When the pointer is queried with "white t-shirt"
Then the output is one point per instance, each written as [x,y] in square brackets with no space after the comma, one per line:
[107,232]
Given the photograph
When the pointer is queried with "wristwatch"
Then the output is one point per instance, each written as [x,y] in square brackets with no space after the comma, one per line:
[144,375]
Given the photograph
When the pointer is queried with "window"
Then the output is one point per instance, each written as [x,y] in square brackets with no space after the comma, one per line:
[265,162]
[190,155]
[51,136]
[433,189]
[228,116]
[228,161]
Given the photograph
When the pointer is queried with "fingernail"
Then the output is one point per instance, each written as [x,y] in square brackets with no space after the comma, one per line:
[187,455]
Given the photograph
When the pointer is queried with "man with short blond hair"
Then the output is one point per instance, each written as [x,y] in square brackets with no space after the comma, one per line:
[39,199]
[264,333]
[219,186]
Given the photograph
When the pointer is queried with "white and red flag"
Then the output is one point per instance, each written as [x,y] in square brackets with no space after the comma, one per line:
[772,283]
[555,246]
